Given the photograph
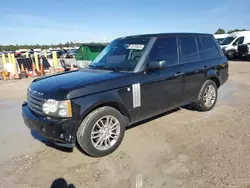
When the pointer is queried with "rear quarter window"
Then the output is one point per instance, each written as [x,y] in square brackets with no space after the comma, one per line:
[209,48]
[188,49]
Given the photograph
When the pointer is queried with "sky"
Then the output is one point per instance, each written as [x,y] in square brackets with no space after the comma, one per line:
[59,21]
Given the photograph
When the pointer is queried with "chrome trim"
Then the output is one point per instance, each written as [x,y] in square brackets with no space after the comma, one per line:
[136,91]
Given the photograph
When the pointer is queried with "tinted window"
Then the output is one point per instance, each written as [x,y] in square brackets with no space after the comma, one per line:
[188,49]
[200,47]
[227,40]
[210,48]
[165,49]
[96,48]
[239,40]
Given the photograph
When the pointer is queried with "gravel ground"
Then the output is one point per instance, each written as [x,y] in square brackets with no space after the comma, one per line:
[183,148]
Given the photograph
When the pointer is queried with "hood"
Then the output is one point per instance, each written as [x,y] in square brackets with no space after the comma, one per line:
[79,83]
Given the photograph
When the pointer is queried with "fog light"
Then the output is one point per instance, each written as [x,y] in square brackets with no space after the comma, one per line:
[62,113]
[62,136]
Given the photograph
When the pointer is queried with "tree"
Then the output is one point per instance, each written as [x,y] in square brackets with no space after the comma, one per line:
[220,31]
[235,30]
[67,44]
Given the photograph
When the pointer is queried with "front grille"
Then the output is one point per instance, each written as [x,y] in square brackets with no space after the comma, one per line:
[35,103]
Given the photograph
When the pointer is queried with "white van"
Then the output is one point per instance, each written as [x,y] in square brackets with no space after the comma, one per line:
[220,37]
[230,44]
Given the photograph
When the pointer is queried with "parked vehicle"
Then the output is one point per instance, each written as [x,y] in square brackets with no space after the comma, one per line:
[230,44]
[49,54]
[244,51]
[220,37]
[60,53]
[71,53]
[20,53]
[31,53]
[132,79]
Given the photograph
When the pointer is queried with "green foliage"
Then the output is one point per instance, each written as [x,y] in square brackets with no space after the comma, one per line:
[220,31]
[235,30]
[17,47]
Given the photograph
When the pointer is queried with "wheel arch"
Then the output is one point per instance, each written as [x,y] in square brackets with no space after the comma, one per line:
[216,80]
[114,104]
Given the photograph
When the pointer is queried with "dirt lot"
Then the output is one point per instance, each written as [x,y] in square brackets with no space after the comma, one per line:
[184,148]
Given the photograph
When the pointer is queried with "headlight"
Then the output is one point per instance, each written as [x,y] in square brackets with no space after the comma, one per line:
[57,108]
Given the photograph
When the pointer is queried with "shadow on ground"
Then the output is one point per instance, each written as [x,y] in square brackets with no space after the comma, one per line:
[61,183]
[151,119]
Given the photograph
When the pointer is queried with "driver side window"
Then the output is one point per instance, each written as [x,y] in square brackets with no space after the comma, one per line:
[239,40]
[165,49]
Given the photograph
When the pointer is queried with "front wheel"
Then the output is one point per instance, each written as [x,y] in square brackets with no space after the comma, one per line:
[230,55]
[207,97]
[101,132]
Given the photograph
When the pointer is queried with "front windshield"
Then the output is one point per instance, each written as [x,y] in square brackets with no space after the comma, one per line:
[121,54]
[227,40]
[220,40]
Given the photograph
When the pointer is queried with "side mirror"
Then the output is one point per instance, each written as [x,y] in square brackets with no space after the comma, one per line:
[236,43]
[157,65]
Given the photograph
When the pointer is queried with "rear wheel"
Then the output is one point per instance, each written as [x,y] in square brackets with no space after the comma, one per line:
[101,132]
[207,97]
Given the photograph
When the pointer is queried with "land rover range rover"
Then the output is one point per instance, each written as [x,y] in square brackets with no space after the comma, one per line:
[133,78]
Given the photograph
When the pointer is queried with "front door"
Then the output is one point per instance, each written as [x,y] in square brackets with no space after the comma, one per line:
[161,89]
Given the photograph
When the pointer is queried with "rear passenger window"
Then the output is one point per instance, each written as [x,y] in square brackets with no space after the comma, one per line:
[165,49]
[188,47]
[210,48]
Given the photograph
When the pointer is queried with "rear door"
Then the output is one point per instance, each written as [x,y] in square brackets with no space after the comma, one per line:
[192,67]
[211,54]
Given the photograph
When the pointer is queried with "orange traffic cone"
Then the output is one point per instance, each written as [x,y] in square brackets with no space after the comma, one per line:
[60,69]
[41,67]
[28,73]
[71,67]
[10,76]
[4,76]
[33,70]
[16,75]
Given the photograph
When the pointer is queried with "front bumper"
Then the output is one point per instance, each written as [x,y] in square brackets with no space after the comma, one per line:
[224,79]
[59,131]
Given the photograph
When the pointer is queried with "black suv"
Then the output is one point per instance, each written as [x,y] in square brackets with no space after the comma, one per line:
[133,78]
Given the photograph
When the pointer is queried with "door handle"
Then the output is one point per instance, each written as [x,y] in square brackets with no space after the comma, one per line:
[205,68]
[179,74]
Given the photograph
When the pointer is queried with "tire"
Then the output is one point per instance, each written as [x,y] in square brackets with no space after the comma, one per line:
[200,103]
[230,55]
[89,125]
